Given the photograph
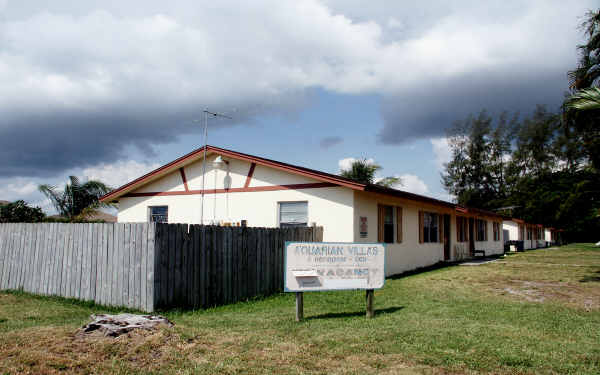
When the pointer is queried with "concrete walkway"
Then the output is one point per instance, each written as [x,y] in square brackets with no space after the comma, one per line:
[478,262]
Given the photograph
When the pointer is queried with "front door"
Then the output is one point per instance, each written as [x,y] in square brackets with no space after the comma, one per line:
[472,236]
[447,237]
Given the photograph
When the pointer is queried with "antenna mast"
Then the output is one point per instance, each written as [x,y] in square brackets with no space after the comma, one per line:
[206,114]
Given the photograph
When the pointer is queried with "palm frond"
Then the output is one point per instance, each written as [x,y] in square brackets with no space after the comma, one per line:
[55,197]
[585,100]
[76,198]
[389,181]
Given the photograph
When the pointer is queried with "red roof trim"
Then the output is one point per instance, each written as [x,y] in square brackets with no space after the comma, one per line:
[235,190]
[185,185]
[250,174]
[322,176]
[108,197]
[326,178]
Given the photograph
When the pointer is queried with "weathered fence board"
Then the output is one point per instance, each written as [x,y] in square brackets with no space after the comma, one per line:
[145,266]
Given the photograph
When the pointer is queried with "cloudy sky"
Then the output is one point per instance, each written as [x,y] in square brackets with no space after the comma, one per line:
[111,89]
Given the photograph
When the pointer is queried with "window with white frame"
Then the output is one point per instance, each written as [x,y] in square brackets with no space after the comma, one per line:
[158,214]
[293,214]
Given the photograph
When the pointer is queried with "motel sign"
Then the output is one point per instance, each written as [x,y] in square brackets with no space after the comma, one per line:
[318,266]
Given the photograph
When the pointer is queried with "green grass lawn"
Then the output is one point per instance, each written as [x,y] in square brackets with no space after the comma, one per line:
[534,312]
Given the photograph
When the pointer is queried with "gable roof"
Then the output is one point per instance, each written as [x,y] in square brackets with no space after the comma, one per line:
[198,154]
[303,171]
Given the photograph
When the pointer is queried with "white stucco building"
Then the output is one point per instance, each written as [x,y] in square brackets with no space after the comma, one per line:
[241,189]
[533,236]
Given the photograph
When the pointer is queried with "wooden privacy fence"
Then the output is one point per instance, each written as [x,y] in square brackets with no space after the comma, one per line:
[146,265]
[110,264]
[209,265]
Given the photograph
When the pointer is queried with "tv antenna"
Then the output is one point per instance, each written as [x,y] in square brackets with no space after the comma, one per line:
[207,113]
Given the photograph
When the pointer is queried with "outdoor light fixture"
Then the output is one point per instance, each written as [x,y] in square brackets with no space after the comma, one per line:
[218,162]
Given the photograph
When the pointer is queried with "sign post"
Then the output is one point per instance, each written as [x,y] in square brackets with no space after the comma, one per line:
[299,306]
[321,266]
[370,312]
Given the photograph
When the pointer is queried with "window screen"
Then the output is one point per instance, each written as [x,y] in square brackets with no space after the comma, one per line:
[496,231]
[388,224]
[481,234]
[159,214]
[462,229]
[293,214]
[430,227]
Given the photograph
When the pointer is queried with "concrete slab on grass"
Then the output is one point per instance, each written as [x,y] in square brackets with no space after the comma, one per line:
[478,262]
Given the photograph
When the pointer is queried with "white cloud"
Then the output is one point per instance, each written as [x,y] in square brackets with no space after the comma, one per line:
[17,188]
[445,197]
[345,164]
[105,57]
[441,151]
[412,183]
[153,64]
[20,188]
[119,173]
[394,23]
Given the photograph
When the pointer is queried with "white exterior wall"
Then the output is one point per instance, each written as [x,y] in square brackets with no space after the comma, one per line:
[329,207]
[547,235]
[529,243]
[399,257]
[512,228]
[337,209]
[410,254]
[490,246]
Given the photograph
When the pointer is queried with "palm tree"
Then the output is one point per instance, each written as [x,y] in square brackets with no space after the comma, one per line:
[587,72]
[76,199]
[363,171]
[585,100]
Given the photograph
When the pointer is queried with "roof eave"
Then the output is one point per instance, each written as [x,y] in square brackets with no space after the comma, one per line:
[177,163]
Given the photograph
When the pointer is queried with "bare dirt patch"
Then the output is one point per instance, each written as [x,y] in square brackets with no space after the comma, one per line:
[51,350]
[564,292]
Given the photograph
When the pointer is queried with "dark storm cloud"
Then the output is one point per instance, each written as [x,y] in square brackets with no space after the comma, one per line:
[430,111]
[45,144]
[82,81]
[330,141]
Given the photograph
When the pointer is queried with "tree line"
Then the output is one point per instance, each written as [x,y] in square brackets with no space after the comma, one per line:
[544,168]
[77,202]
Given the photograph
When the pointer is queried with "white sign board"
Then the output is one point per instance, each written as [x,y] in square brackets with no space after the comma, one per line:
[315,266]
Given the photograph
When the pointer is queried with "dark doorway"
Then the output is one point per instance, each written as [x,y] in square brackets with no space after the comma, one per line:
[447,237]
[471,236]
